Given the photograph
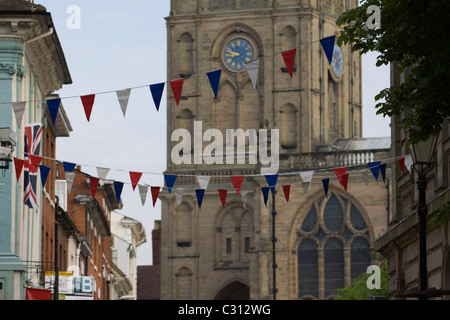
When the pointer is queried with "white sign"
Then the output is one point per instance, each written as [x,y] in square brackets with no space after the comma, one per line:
[65,282]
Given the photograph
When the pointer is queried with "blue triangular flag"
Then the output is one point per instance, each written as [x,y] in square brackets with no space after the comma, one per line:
[44,174]
[328,46]
[53,106]
[383,171]
[68,166]
[375,168]
[118,186]
[272,181]
[325,183]
[170,181]
[265,191]
[200,193]
[157,90]
[214,79]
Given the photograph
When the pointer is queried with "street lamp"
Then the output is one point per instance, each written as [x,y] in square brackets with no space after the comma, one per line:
[422,158]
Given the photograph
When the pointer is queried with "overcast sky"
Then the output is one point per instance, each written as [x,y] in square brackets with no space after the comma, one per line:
[121,44]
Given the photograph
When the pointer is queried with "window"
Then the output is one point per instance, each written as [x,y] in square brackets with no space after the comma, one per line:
[229,247]
[325,232]
[247,245]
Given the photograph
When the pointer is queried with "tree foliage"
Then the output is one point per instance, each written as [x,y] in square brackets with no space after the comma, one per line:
[358,289]
[415,35]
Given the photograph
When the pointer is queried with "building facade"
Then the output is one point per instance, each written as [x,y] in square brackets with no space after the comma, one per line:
[322,241]
[32,65]
[400,243]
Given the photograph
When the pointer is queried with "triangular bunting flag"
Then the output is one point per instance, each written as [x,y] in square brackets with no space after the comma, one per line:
[143,190]
[102,172]
[68,166]
[177,87]
[344,181]
[123,96]
[383,171]
[339,173]
[93,181]
[289,58]
[265,191]
[135,177]
[237,182]
[18,164]
[170,181]
[88,103]
[35,161]
[155,193]
[408,162]
[223,196]
[306,186]
[328,47]
[326,183]
[272,181]
[44,174]
[200,193]
[375,168]
[118,187]
[365,175]
[203,181]
[178,195]
[214,80]
[244,198]
[252,70]
[287,191]
[306,175]
[70,176]
[19,109]
[53,107]
[401,163]
[157,90]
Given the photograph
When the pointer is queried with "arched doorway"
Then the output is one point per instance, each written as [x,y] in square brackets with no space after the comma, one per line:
[235,290]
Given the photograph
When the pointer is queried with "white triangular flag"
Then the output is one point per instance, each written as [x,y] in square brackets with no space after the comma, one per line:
[252,70]
[244,197]
[19,109]
[123,96]
[365,174]
[143,189]
[306,175]
[178,195]
[203,181]
[102,172]
[306,186]
[408,162]
[69,180]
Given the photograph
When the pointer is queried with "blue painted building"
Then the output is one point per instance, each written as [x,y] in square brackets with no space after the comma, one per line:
[32,65]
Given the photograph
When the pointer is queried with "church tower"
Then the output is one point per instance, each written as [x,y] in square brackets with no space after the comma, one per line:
[225,250]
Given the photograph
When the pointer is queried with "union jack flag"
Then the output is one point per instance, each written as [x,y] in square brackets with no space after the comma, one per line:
[32,146]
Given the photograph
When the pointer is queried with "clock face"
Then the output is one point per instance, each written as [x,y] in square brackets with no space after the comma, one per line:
[238,52]
[337,61]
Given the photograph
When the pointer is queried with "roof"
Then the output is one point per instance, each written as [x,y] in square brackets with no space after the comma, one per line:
[377,143]
[20,6]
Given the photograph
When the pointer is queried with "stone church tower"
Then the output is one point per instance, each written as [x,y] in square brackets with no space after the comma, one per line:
[322,241]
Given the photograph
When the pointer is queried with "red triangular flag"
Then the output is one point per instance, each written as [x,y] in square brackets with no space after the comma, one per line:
[135,177]
[289,58]
[237,182]
[223,196]
[344,181]
[287,190]
[88,103]
[35,161]
[339,173]
[93,181]
[401,162]
[18,164]
[155,193]
[177,86]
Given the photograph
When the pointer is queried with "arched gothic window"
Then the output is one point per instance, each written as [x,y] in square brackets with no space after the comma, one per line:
[333,247]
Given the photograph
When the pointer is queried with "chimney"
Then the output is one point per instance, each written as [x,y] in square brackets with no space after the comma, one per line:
[156,243]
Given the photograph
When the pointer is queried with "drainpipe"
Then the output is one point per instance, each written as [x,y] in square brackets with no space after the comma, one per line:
[44,35]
